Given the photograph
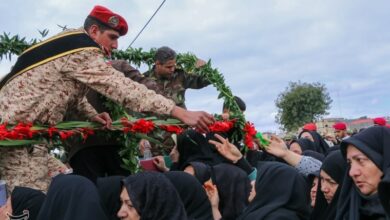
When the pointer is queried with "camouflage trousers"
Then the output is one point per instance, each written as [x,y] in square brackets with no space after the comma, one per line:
[28,166]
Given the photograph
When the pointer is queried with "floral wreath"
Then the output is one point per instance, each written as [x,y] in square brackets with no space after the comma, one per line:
[133,129]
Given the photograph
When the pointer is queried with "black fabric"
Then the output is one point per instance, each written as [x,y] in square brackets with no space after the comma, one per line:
[48,49]
[72,197]
[335,166]
[98,161]
[25,200]
[320,144]
[193,146]
[192,195]
[305,144]
[371,208]
[244,165]
[314,155]
[254,156]
[384,191]
[154,197]
[233,189]
[202,171]
[281,193]
[109,189]
[373,142]
[232,183]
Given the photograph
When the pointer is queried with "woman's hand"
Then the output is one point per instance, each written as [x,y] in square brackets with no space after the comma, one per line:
[160,163]
[277,147]
[226,149]
[212,193]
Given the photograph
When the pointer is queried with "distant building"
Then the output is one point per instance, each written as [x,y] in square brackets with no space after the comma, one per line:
[353,125]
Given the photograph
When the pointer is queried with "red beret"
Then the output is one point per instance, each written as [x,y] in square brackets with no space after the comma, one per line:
[380,121]
[340,126]
[310,127]
[110,19]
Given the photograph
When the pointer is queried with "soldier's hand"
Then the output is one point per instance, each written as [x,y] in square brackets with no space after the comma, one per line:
[200,63]
[104,119]
[199,119]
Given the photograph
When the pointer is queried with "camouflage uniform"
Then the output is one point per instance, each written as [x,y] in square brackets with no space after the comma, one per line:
[173,88]
[45,93]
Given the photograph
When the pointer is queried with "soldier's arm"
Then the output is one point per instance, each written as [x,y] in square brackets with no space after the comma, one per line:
[195,81]
[132,73]
[89,68]
[85,108]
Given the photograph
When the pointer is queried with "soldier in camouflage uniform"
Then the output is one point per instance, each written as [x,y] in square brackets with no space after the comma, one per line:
[168,81]
[45,90]
[171,82]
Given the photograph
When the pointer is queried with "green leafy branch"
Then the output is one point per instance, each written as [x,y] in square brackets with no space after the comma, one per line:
[187,62]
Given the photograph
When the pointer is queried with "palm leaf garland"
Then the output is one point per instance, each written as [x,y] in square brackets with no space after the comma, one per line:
[15,45]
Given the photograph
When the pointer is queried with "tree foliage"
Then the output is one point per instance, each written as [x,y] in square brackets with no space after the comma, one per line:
[301,103]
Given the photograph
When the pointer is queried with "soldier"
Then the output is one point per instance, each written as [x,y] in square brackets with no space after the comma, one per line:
[53,77]
[171,82]
[340,131]
[167,80]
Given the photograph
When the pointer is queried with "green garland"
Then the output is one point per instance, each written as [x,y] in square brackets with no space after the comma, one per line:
[187,62]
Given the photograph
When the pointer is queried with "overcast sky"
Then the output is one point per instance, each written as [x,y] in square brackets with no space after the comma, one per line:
[258,45]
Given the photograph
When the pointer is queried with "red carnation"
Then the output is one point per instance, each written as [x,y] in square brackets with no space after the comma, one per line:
[221,126]
[250,132]
[86,132]
[65,134]
[51,131]
[24,130]
[172,128]
[140,126]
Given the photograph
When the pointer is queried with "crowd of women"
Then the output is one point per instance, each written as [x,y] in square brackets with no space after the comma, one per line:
[211,179]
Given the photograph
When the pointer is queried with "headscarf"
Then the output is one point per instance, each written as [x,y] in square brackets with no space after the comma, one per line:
[72,197]
[26,200]
[281,193]
[314,155]
[305,144]
[202,171]
[192,195]
[154,197]
[109,189]
[335,166]
[384,191]
[232,183]
[320,144]
[373,142]
[193,146]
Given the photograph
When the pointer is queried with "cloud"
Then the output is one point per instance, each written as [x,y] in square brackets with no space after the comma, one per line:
[259,46]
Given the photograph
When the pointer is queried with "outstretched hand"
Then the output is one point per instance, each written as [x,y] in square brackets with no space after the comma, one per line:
[199,119]
[212,193]
[104,119]
[277,147]
[226,149]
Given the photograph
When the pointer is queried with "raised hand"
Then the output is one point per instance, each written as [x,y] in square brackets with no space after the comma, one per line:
[226,149]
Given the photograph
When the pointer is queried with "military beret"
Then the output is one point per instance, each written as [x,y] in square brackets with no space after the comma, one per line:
[110,19]
[310,127]
[340,126]
[379,121]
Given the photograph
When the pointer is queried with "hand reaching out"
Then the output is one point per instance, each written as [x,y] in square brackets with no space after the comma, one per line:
[160,163]
[277,147]
[103,118]
[212,193]
[226,149]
